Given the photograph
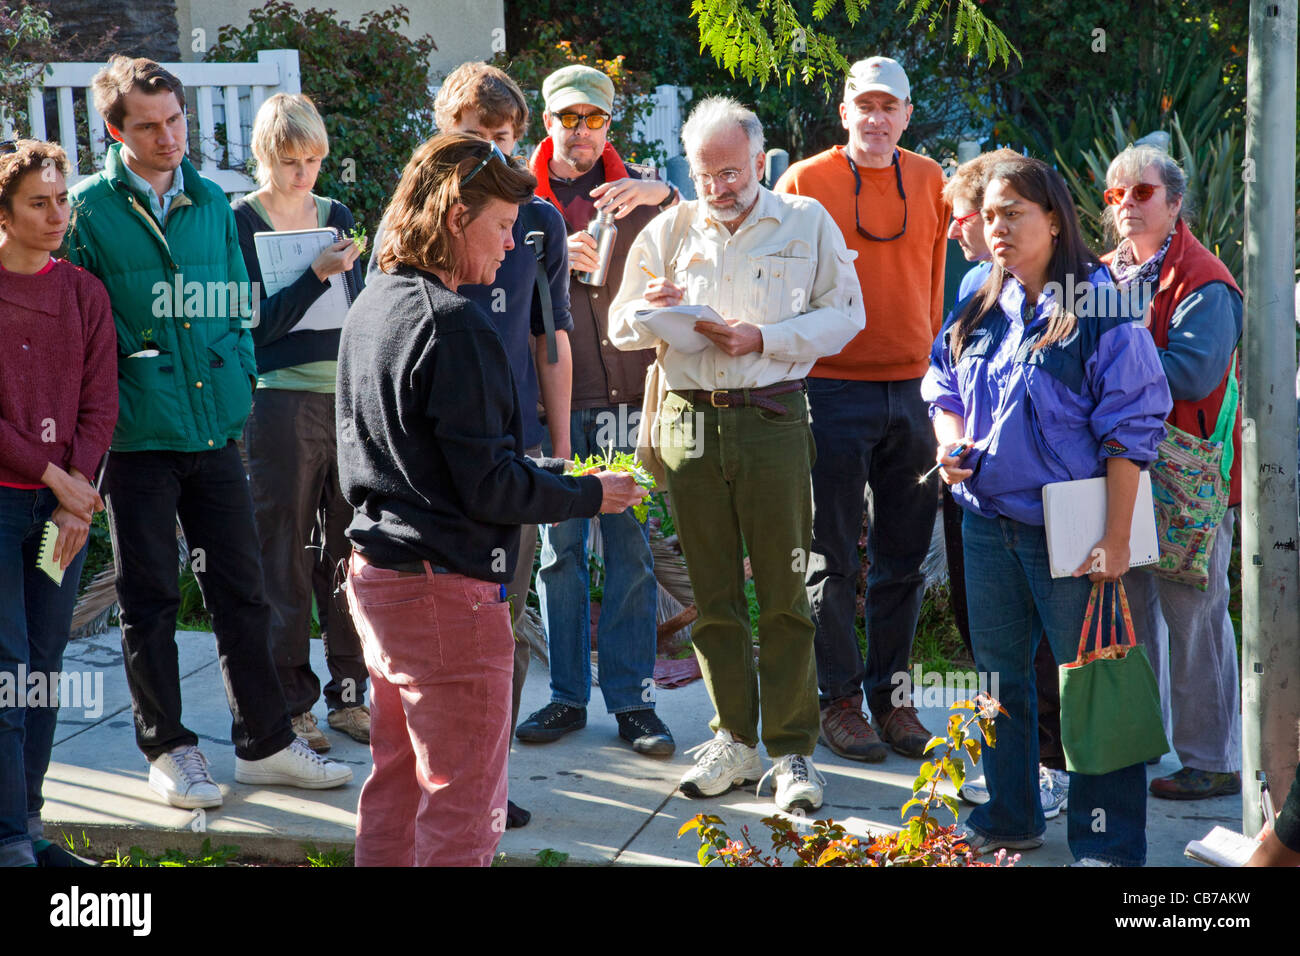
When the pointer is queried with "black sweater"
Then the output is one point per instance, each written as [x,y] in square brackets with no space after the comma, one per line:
[430,435]
[275,346]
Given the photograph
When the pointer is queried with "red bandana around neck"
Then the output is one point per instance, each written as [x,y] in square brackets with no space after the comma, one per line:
[540,167]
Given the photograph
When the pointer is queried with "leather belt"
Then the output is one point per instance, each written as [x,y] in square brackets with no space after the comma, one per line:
[746,397]
[402,567]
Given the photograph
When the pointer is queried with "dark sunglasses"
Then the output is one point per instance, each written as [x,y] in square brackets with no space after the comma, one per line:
[494,151]
[8,146]
[857,187]
[1141,192]
[571,120]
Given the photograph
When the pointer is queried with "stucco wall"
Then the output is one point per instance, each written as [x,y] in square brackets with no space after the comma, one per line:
[463,29]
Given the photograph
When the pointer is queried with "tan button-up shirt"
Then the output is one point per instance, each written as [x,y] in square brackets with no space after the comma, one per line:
[786,270]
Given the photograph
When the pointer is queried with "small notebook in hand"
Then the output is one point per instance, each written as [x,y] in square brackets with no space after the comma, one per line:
[676,325]
[45,556]
[1222,847]
[284,256]
[1074,520]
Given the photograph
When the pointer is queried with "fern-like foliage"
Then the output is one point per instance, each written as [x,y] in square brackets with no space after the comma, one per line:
[765,39]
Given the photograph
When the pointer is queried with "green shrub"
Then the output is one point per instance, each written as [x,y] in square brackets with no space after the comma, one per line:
[369,82]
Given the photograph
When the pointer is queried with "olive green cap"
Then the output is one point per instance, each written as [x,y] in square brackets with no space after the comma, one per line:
[578,85]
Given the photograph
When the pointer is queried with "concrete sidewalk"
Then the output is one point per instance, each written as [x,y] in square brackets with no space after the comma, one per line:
[590,796]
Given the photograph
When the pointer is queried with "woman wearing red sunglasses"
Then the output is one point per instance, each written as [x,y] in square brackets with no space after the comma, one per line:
[1195,319]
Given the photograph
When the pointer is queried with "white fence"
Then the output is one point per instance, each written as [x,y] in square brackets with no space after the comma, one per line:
[664,122]
[216,93]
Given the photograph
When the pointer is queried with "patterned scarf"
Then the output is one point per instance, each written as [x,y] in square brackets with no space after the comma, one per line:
[1128,270]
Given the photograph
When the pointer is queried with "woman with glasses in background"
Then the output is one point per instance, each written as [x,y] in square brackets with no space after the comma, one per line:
[1195,319]
[58,406]
[430,439]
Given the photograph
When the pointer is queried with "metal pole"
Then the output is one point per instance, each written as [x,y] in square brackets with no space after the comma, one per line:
[1270,580]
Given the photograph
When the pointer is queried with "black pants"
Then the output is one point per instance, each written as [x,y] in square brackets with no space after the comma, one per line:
[1050,753]
[145,492]
[293,467]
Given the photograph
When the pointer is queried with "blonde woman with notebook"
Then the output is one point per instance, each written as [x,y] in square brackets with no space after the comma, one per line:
[289,437]
[58,406]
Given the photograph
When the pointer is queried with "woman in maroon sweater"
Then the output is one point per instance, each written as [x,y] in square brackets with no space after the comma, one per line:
[58,406]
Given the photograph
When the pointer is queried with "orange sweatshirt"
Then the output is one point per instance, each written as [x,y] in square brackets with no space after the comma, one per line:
[902,280]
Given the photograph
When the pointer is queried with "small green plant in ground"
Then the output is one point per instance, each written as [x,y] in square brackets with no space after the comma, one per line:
[329,857]
[923,842]
[206,856]
[549,857]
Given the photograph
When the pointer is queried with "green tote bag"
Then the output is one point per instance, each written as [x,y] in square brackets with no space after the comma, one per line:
[1110,706]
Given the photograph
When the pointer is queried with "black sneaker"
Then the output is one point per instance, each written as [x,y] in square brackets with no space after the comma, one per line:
[551,723]
[646,732]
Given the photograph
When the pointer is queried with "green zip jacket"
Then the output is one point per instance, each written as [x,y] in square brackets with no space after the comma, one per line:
[179,289]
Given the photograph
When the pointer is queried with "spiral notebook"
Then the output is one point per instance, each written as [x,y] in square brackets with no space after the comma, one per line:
[45,556]
[284,256]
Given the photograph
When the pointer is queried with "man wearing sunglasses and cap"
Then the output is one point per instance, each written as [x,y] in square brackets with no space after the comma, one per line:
[871,427]
[579,171]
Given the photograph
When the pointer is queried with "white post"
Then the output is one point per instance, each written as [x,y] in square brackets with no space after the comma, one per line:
[68,128]
[287,60]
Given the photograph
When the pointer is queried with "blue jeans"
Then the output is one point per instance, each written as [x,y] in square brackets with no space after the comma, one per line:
[1012,599]
[627,638]
[35,615]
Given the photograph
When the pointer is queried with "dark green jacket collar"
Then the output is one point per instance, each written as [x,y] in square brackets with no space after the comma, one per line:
[115,173]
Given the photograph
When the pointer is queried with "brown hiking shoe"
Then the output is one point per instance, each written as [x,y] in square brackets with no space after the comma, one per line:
[353,721]
[902,730]
[304,726]
[847,732]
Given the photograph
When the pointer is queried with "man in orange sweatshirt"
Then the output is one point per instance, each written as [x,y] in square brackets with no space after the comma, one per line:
[869,422]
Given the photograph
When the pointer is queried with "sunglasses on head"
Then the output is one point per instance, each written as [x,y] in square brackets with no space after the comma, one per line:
[571,120]
[494,151]
[1141,193]
[8,146]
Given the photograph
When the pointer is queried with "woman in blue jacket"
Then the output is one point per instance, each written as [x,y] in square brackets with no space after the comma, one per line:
[1027,388]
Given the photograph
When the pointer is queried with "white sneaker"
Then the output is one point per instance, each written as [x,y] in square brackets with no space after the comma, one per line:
[297,765]
[723,762]
[181,777]
[975,791]
[1090,861]
[798,784]
[1053,790]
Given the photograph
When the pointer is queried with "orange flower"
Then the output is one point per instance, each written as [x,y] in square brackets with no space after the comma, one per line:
[1165,102]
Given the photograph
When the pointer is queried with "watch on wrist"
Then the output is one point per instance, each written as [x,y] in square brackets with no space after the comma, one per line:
[672,197]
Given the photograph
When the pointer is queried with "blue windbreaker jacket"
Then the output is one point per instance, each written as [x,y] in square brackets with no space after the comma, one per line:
[1051,415]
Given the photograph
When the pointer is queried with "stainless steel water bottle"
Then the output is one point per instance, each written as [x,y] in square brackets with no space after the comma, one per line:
[603,230]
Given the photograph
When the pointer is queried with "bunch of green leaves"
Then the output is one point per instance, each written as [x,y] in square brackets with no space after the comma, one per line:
[30,41]
[923,842]
[622,462]
[328,857]
[768,38]
[358,235]
[369,82]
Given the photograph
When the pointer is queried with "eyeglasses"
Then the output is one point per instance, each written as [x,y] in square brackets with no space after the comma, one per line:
[494,151]
[8,146]
[857,187]
[571,120]
[960,221]
[1141,193]
[728,177]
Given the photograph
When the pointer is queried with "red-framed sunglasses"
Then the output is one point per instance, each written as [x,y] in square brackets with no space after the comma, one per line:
[962,220]
[1141,193]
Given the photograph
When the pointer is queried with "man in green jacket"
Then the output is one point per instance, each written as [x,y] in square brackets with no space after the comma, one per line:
[162,240]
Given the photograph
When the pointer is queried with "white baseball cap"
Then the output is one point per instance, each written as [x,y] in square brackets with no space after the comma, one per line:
[877,74]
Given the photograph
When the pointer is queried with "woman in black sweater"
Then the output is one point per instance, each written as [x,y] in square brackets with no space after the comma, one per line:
[289,439]
[430,439]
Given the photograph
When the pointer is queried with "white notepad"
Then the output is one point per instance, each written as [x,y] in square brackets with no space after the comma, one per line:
[1222,847]
[1074,519]
[676,325]
[284,256]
